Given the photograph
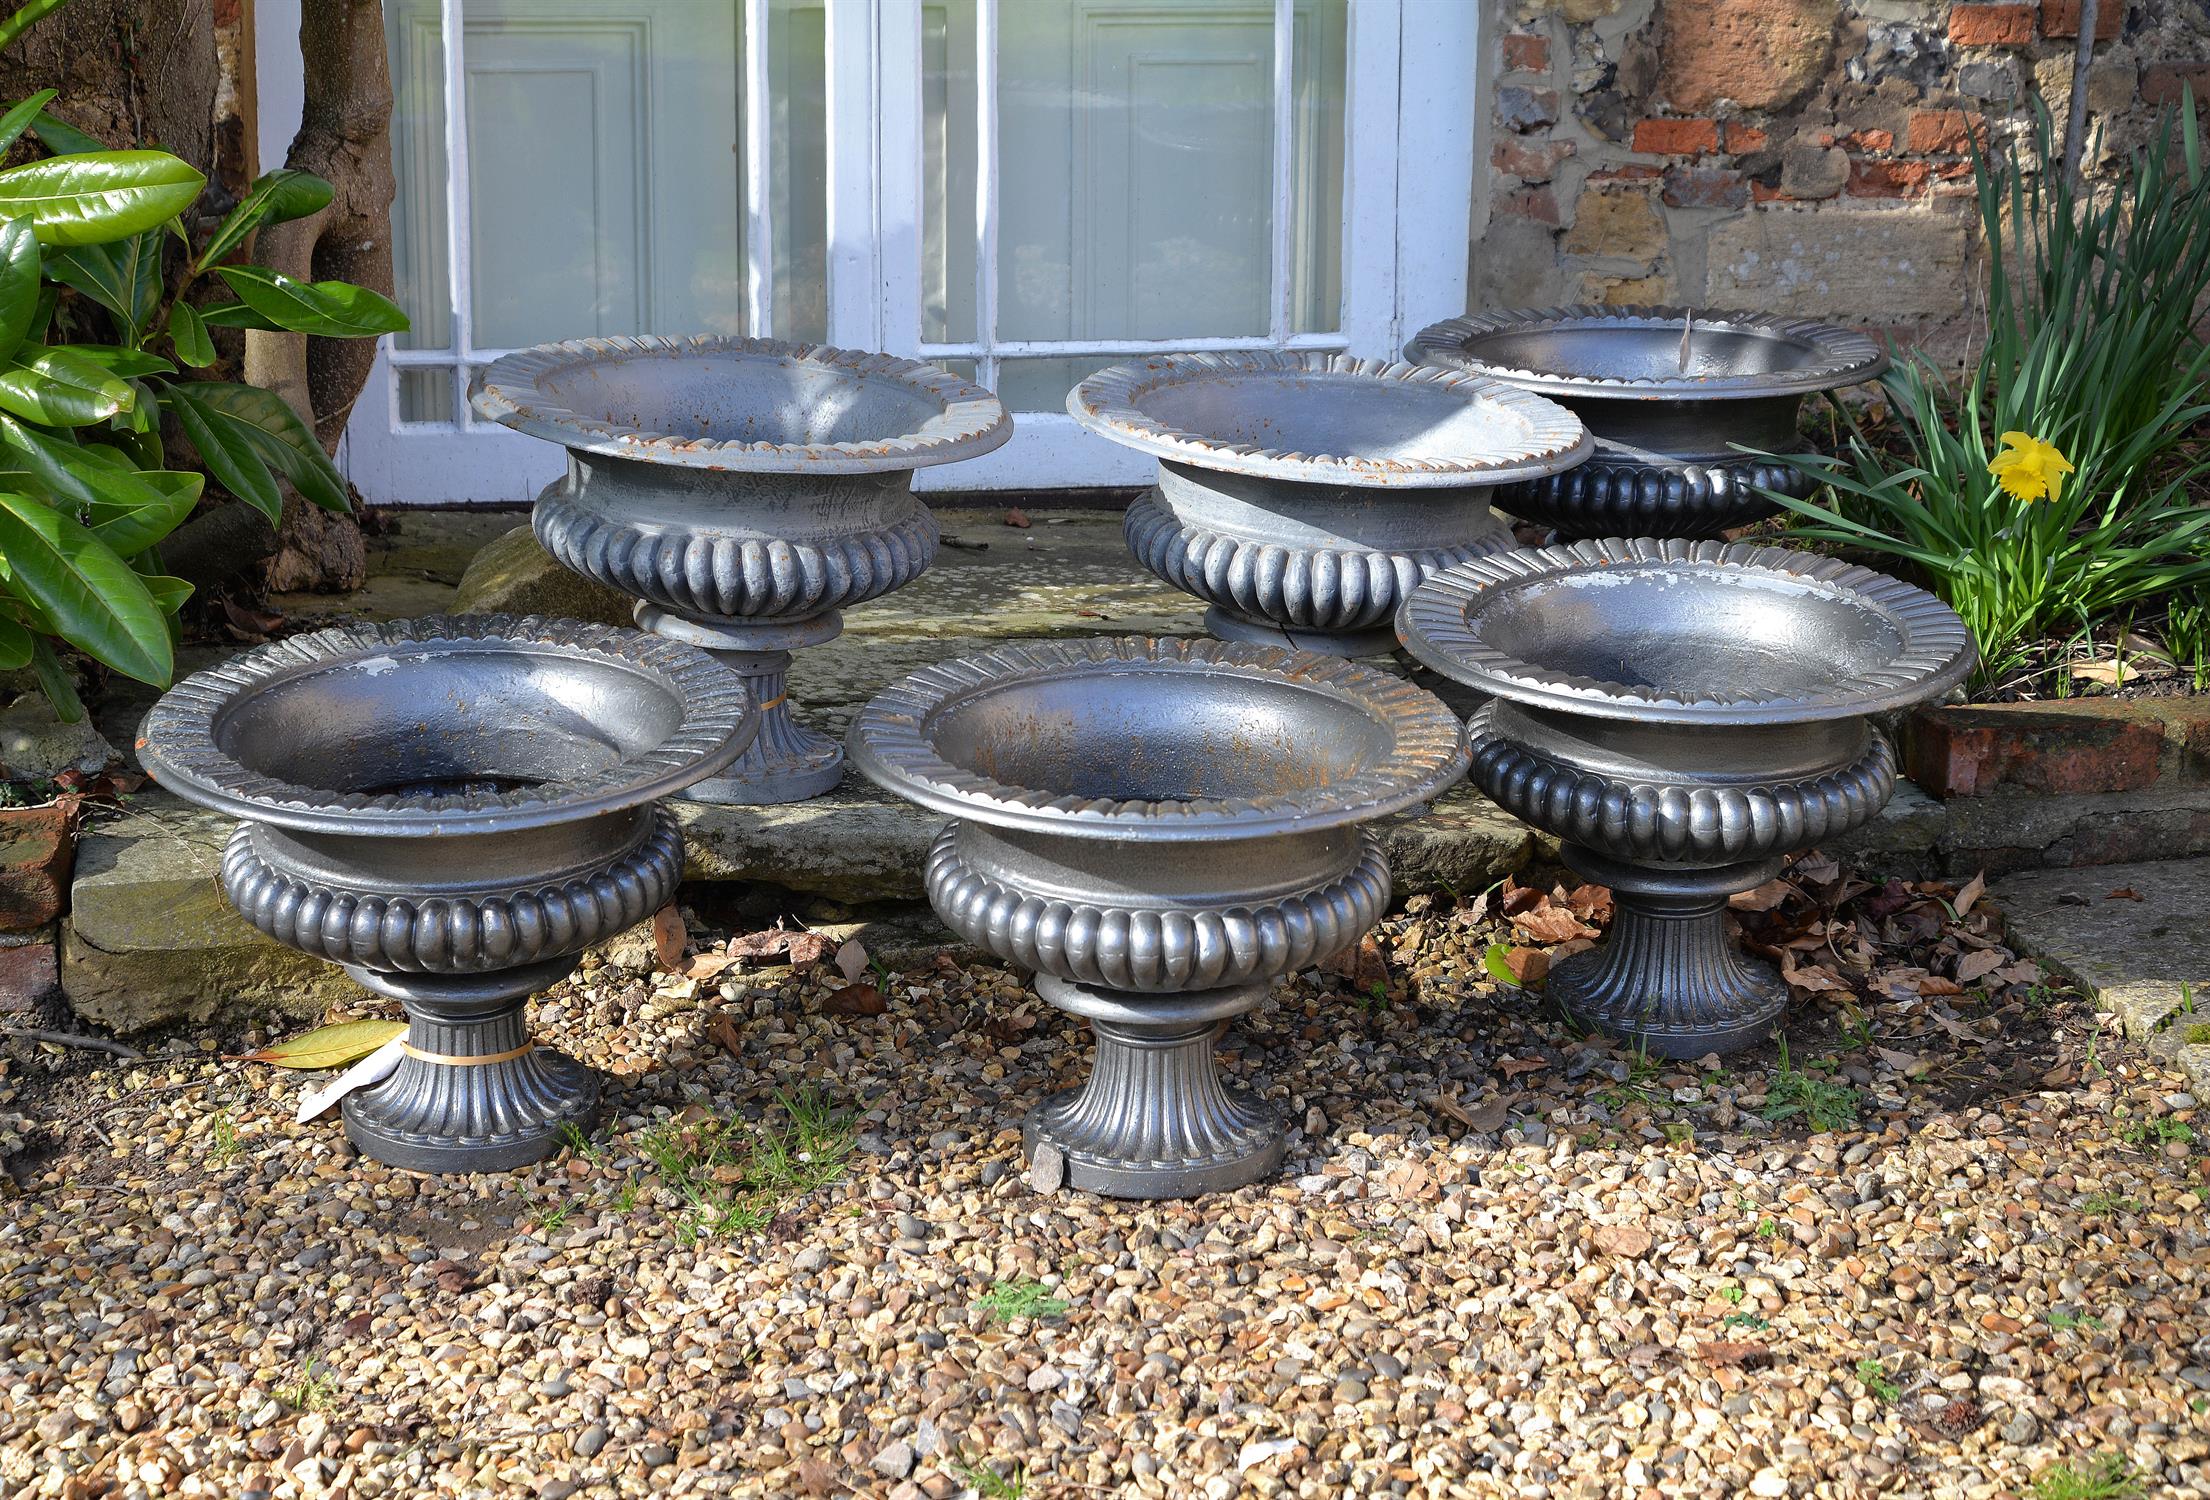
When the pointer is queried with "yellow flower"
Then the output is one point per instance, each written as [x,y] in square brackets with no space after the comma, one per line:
[2029,469]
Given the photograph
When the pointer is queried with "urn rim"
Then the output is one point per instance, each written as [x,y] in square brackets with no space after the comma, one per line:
[1441,624]
[1833,356]
[512,391]
[1111,403]
[179,745]
[892,743]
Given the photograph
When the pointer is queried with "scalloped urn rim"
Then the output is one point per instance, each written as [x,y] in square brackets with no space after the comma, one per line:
[1842,356]
[1440,624]
[1110,403]
[969,420]
[178,748]
[891,743]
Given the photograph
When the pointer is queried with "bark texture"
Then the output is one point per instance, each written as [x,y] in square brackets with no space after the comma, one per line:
[345,137]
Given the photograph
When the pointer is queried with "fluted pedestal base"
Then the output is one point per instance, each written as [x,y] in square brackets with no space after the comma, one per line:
[786,762]
[1667,977]
[472,1094]
[1153,1120]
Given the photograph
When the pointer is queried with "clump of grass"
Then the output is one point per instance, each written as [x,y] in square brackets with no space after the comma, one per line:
[315,1390]
[990,1484]
[1823,1103]
[1020,1298]
[2106,1476]
[732,1179]
[1874,1377]
[225,1145]
[2164,1130]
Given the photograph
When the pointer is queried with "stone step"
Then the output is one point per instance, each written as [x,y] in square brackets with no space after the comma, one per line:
[2134,936]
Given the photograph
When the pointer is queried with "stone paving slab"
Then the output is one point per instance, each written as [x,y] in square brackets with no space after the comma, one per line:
[2136,935]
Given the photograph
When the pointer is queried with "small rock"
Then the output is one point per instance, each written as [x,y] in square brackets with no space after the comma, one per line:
[591,1440]
[1623,1239]
[895,1460]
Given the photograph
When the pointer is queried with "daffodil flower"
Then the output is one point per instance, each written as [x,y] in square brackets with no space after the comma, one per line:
[2029,469]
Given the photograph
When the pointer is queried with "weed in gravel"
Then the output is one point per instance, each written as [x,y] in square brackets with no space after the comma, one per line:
[732,1180]
[1007,1300]
[1874,1377]
[2164,1130]
[225,1145]
[990,1484]
[315,1390]
[1823,1103]
[2103,1204]
[2106,1476]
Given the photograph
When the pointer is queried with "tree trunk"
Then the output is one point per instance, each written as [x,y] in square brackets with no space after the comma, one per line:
[344,136]
[129,71]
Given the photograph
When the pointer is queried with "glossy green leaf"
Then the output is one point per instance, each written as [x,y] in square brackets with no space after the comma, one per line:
[63,138]
[18,119]
[236,315]
[91,480]
[27,15]
[231,455]
[168,593]
[54,680]
[19,283]
[100,196]
[124,277]
[129,528]
[94,599]
[129,364]
[274,197]
[330,1046]
[279,437]
[334,309]
[188,332]
[15,645]
[60,389]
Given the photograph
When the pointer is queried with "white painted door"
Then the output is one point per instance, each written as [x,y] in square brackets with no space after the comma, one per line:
[1022,190]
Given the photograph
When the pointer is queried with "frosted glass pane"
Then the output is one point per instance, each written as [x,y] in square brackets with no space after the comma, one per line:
[426,396]
[418,232]
[1136,151]
[1041,384]
[798,172]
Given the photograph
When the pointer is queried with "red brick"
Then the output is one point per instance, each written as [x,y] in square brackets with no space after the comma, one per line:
[1887,179]
[1535,203]
[1741,137]
[1706,187]
[2163,83]
[1627,171]
[1527,52]
[2059,749]
[2062,18]
[1869,140]
[1950,132]
[1759,193]
[1676,137]
[1762,54]
[1991,25]
[1529,161]
[30,973]
[36,851]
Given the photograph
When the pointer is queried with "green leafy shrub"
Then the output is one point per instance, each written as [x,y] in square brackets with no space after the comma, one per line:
[98,322]
[2091,349]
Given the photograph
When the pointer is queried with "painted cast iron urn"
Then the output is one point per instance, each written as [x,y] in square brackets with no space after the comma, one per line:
[1301,496]
[1667,393]
[453,809]
[745,492]
[1683,715]
[1158,829]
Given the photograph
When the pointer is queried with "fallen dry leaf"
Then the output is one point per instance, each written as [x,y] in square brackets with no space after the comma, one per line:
[669,938]
[1513,1067]
[1762,898]
[1812,979]
[854,1000]
[1591,903]
[1526,965]
[1979,965]
[1738,1355]
[1548,923]
[723,1033]
[707,965]
[800,947]
[1017,518]
[1623,1239]
[1361,963]
[2125,893]
[1973,890]
[851,960]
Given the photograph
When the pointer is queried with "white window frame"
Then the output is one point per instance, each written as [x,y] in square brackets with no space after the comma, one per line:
[1411,110]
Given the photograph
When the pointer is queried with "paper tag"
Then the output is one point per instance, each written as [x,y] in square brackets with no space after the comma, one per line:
[374,1068]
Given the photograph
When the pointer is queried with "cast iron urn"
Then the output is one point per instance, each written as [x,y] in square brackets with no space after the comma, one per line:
[1682,715]
[745,492]
[1668,393]
[1301,496]
[453,809]
[1158,829]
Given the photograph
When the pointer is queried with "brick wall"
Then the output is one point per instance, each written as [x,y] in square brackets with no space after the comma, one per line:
[1806,155]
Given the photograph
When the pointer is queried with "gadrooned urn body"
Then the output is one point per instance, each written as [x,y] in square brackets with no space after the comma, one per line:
[453,809]
[1158,829]
[1669,393]
[745,492]
[1683,715]
[1301,496]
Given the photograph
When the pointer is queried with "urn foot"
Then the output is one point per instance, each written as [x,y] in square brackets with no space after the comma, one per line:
[786,761]
[1153,1119]
[472,1093]
[1667,977]
[1381,640]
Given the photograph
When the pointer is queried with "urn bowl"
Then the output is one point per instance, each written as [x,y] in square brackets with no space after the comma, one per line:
[745,492]
[1301,496]
[1158,829]
[1683,715]
[453,809]
[1668,393]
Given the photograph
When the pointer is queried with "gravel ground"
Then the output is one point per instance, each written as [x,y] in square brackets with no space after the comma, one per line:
[1953,1245]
